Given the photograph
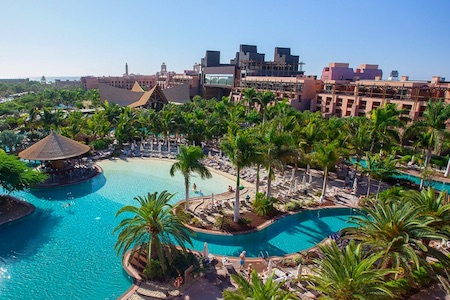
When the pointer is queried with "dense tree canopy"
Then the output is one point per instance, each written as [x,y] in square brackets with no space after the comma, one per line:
[15,175]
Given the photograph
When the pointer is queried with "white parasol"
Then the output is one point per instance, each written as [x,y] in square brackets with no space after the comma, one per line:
[205,250]
[299,269]
[355,185]
[269,268]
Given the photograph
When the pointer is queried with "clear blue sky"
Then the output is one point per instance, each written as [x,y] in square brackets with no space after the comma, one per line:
[97,37]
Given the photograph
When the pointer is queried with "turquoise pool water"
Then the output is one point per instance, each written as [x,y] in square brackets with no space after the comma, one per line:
[290,234]
[65,251]
[438,185]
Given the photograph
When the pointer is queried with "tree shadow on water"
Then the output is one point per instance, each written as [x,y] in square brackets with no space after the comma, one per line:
[23,238]
[70,192]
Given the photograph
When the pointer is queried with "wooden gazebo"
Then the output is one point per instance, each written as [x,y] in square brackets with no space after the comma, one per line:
[55,152]
[54,147]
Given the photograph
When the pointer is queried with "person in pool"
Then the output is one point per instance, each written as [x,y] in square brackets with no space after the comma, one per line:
[194,187]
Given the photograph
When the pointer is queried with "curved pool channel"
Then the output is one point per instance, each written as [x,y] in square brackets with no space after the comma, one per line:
[436,184]
[65,249]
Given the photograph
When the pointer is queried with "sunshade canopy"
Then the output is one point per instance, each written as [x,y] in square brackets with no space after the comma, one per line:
[54,147]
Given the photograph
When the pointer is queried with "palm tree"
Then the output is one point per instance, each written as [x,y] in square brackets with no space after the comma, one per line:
[432,126]
[277,148]
[385,123]
[256,289]
[397,230]
[239,148]
[326,156]
[99,125]
[154,225]
[359,137]
[189,161]
[263,99]
[433,205]
[307,134]
[385,168]
[47,119]
[370,168]
[249,97]
[348,274]
[9,139]
[125,129]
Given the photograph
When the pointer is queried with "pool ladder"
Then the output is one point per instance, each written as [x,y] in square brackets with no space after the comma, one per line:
[263,255]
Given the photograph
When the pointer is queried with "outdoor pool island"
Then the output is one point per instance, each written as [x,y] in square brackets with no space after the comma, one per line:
[65,249]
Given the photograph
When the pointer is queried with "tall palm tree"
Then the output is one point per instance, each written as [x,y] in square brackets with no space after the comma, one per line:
[154,225]
[190,161]
[277,148]
[359,136]
[326,156]
[397,230]
[255,289]
[263,99]
[348,274]
[249,96]
[386,167]
[125,129]
[432,126]
[239,148]
[309,132]
[385,122]
[370,168]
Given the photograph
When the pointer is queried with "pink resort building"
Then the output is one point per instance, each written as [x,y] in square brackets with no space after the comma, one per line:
[345,92]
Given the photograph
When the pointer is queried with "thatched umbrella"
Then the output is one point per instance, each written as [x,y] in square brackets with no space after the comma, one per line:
[54,147]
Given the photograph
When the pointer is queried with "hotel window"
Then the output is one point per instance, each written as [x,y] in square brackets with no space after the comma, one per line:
[407,107]
[363,104]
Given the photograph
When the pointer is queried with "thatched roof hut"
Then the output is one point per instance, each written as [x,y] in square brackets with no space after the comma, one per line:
[54,147]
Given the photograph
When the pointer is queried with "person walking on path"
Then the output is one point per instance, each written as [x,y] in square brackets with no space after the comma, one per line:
[242,260]
[249,272]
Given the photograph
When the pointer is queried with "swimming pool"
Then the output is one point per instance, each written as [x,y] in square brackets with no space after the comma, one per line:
[438,185]
[66,251]
[290,234]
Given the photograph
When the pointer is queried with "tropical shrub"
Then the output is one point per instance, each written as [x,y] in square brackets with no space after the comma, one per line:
[153,270]
[405,159]
[220,221]
[263,205]
[245,221]
[101,144]
[293,206]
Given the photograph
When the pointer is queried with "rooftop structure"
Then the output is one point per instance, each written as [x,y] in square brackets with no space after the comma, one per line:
[136,97]
[342,72]
[222,79]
